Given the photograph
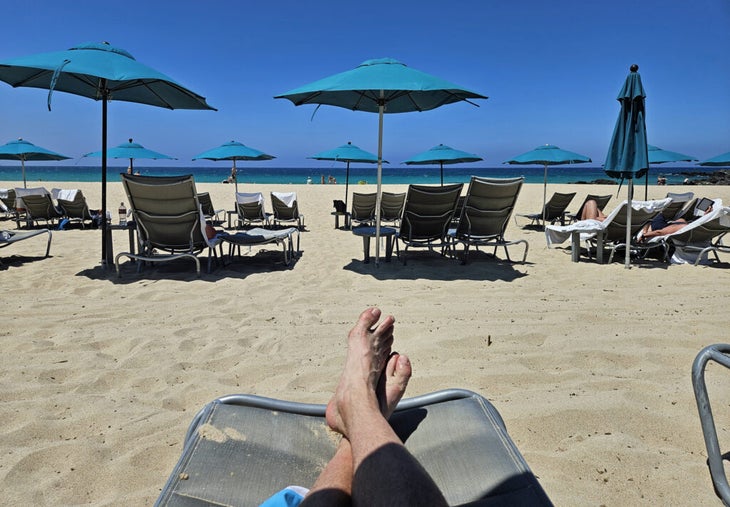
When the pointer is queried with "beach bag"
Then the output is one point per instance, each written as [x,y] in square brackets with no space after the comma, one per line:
[340,206]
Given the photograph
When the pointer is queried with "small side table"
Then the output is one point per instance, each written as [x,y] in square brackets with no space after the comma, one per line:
[369,232]
[131,227]
[337,215]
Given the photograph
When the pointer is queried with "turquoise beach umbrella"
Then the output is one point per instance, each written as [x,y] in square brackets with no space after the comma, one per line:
[233,150]
[659,156]
[718,161]
[23,150]
[130,150]
[628,154]
[546,155]
[381,86]
[100,72]
[347,153]
[441,155]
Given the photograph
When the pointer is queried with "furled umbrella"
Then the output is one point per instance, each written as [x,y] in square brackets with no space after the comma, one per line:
[659,156]
[347,153]
[546,155]
[23,150]
[131,150]
[718,161]
[233,150]
[101,72]
[381,86]
[441,155]
[628,154]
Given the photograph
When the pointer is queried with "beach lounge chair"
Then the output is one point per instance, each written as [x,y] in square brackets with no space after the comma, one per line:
[73,206]
[259,237]
[286,208]
[8,238]
[37,205]
[241,449]
[7,202]
[391,207]
[362,210]
[555,210]
[427,214]
[209,212]
[169,219]
[601,201]
[719,353]
[487,210]
[250,208]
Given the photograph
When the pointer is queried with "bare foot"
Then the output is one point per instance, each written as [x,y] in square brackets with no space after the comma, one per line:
[393,382]
[368,349]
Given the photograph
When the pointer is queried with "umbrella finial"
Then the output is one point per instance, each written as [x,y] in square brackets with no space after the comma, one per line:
[130,139]
[634,68]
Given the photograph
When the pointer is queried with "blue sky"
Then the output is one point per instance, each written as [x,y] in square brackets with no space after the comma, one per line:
[551,70]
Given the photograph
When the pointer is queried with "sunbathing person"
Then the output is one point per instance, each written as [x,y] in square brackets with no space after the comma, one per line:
[660,226]
[371,466]
[591,211]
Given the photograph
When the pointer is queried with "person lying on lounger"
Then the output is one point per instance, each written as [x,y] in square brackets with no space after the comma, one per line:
[371,466]
[591,211]
[660,226]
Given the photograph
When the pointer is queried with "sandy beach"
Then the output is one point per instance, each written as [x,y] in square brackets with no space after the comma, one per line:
[588,364]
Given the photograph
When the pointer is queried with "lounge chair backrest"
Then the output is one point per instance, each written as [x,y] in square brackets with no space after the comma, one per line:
[40,207]
[206,204]
[557,205]
[488,206]
[601,201]
[391,206]
[76,207]
[250,206]
[285,205]
[22,192]
[363,206]
[428,211]
[8,198]
[677,205]
[615,229]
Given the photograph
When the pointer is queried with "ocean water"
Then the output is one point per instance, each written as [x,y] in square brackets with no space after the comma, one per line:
[40,173]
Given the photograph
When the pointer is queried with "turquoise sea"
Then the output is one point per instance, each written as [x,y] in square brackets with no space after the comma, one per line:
[39,173]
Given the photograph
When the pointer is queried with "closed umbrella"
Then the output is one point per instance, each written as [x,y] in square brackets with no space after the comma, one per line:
[130,150]
[23,150]
[718,161]
[381,86]
[441,155]
[347,153]
[546,155]
[233,151]
[100,72]
[659,156]
[628,155]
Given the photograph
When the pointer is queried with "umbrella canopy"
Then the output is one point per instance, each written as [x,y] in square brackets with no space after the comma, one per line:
[381,86]
[130,150]
[23,150]
[659,156]
[441,155]
[720,160]
[347,153]
[546,155]
[100,72]
[628,155]
[233,150]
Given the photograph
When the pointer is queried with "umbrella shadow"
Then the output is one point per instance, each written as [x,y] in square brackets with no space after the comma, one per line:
[430,266]
[19,260]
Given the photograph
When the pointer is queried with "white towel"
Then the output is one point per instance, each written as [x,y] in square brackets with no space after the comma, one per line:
[65,194]
[287,198]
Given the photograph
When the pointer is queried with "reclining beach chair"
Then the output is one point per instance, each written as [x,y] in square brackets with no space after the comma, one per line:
[601,201]
[391,208]
[259,237]
[209,212]
[719,353]
[250,208]
[677,204]
[7,198]
[427,214]
[8,238]
[241,449]
[484,219]
[554,211]
[169,219]
[73,206]
[37,205]
[362,209]
[286,208]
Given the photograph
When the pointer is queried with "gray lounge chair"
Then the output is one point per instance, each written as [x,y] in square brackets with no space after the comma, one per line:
[76,209]
[39,207]
[719,353]
[209,211]
[8,238]
[391,207]
[7,197]
[601,201]
[168,218]
[427,214]
[362,209]
[241,449]
[259,237]
[286,208]
[554,211]
[485,216]
[250,208]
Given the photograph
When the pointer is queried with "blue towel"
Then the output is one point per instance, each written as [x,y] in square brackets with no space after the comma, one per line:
[287,497]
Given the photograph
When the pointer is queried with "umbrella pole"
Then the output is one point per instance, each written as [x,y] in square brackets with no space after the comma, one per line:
[379,195]
[646,186]
[22,163]
[442,173]
[544,195]
[104,225]
[627,259]
[347,183]
[235,176]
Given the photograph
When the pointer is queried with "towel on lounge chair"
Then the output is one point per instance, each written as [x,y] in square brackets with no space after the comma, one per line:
[287,198]
[68,194]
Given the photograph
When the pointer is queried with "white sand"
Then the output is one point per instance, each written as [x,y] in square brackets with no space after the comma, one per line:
[588,364]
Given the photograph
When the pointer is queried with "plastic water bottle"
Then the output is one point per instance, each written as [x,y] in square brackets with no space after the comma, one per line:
[122,215]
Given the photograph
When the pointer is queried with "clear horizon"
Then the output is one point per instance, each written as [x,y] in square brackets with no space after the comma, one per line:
[551,71]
